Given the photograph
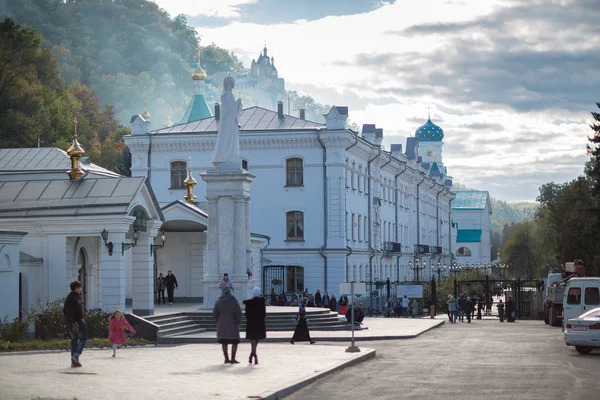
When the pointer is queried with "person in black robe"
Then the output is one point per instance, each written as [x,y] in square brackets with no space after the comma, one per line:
[255,322]
[333,303]
[301,333]
[468,308]
[510,310]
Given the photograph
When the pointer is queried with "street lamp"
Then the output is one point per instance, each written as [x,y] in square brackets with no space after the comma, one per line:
[439,268]
[455,268]
[418,266]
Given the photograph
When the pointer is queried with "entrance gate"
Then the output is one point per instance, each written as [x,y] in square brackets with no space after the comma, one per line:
[528,295]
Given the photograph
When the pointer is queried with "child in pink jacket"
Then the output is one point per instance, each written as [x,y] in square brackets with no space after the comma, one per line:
[116,330]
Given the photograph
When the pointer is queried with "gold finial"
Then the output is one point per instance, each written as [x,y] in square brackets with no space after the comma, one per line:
[146,114]
[169,123]
[199,74]
[189,183]
[75,152]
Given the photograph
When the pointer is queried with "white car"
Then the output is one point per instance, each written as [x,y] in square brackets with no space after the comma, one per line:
[583,332]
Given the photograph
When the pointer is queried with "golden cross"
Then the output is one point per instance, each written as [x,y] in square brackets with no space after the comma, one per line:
[428,111]
[75,121]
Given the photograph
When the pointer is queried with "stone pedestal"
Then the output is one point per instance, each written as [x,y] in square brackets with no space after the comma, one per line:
[228,248]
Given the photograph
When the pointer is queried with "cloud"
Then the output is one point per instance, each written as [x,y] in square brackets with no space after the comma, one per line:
[512,83]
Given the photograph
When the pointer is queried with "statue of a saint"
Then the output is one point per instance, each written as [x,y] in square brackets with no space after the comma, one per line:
[227,149]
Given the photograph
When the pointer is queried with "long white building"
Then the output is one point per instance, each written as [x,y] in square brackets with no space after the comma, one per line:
[334,204]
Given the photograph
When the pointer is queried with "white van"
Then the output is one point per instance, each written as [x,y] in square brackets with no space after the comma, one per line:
[581,295]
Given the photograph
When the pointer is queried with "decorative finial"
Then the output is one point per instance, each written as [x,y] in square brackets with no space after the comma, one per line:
[146,114]
[428,111]
[189,183]
[75,152]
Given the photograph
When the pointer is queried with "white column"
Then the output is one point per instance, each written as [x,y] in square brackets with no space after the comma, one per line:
[143,274]
[112,274]
[228,247]
[56,284]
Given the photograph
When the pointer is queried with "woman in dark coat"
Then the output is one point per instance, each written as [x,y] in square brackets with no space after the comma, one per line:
[228,314]
[255,322]
[301,333]
[333,303]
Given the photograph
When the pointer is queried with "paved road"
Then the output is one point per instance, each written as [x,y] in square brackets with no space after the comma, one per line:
[482,360]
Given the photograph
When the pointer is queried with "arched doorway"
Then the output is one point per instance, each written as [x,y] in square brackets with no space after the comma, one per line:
[82,276]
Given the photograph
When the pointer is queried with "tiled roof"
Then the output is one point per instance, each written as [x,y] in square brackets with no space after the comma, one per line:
[251,119]
[470,200]
[45,159]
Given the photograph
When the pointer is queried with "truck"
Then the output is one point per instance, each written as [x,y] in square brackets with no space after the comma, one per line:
[555,291]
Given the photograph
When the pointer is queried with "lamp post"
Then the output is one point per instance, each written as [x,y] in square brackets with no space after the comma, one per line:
[439,269]
[418,266]
[454,268]
[163,239]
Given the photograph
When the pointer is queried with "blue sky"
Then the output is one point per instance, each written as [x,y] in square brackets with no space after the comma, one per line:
[511,82]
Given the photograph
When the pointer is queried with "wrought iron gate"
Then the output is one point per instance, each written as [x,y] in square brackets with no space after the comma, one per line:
[527,294]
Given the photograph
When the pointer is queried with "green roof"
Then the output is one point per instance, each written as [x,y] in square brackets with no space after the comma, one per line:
[470,200]
[468,236]
[197,110]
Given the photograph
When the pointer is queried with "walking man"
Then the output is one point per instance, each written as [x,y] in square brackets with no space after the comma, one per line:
[171,283]
[75,323]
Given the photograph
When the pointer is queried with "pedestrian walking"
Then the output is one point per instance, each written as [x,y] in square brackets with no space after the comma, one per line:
[451,303]
[510,310]
[171,284]
[301,333]
[415,308]
[116,330]
[404,304]
[160,287]
[468,308]
[75,322]
[228,315]
[273,297]
[255,322]
[501,310]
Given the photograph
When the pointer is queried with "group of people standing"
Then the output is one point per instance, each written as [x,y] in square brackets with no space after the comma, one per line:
[168,282]
[465,306]
[311,300]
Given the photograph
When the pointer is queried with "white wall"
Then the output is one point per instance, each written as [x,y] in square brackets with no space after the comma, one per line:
[9,273]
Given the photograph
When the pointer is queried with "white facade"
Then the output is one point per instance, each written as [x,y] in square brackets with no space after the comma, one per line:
[9,273]
[471,215]
[355,200]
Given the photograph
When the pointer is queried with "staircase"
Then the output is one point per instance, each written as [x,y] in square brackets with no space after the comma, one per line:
[175,327]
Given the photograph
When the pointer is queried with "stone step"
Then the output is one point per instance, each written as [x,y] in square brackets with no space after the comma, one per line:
[187,329]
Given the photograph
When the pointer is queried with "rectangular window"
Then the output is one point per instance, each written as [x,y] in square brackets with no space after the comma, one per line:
[294,172]
[294,277]
[574,296]
[592,296]
[177,174]
[295,225]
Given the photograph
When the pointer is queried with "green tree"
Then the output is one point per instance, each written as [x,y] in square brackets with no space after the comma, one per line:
[592,169]
[524,251]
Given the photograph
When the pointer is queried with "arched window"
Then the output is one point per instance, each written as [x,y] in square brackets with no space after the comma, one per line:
[354,273]
[295,225]
[463,252]
[384,232]
[366,186]
[359,228]
[178,174]
[366,228]
[347,232]
[353,227]
[245,165]
[360,273]
[294,172]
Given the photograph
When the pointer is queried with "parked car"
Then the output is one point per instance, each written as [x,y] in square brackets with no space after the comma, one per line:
[583,332]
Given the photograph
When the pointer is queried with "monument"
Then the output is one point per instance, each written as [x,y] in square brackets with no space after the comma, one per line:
[228,195]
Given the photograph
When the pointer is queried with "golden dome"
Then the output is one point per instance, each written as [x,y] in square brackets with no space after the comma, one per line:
[199,74]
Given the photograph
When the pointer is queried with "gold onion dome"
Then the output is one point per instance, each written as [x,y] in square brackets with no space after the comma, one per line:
[189,181]
[199,74]
[75,149]
[189,184]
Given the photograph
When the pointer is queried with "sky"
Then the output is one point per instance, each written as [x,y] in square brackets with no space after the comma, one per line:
[512,83]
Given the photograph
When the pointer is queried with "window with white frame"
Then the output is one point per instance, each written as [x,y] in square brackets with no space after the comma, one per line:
[295,225]
[348,175]
[366,228]
[347,235]
[360,180]
[354,178]
[366,186]
[353,226]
